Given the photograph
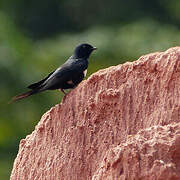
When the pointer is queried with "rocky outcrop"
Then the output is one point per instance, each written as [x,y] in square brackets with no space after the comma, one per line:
[153,153]
[121,123]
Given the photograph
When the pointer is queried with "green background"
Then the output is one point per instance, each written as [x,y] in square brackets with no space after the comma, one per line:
[37,36]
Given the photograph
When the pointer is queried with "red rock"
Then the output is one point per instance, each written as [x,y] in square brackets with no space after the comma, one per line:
[153,153]
[121,123]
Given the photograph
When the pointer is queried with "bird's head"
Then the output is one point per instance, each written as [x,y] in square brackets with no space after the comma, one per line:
[83,50]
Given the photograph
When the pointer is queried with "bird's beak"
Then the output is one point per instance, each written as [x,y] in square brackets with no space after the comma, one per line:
[94,48]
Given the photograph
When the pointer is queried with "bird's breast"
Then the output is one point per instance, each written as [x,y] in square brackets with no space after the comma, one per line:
[85,72]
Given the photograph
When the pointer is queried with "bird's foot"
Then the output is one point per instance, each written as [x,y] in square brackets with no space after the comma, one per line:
[62,90]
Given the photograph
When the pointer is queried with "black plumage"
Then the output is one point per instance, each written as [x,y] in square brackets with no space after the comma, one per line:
[67,76]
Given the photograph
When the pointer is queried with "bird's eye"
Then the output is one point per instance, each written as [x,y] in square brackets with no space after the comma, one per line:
[84,46]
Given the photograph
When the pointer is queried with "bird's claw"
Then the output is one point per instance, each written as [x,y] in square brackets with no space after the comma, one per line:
[62,90]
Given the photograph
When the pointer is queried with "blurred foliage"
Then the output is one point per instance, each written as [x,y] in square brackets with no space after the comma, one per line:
[38,36]
[43,18]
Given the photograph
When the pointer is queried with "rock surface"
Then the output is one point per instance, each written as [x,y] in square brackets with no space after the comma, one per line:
[121,123]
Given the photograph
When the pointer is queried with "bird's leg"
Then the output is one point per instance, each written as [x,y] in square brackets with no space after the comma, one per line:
[62,90]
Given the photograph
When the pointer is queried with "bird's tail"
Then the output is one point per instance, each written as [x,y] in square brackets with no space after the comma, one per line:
[23,95]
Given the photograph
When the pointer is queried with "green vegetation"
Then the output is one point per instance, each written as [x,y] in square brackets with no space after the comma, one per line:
[38,36]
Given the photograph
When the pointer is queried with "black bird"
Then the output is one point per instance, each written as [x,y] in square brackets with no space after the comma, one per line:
[67,76]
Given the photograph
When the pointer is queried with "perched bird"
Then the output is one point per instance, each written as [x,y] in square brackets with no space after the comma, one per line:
[67,76]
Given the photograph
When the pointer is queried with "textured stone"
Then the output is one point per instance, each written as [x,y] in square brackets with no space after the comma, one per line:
[154,153]
[121,123]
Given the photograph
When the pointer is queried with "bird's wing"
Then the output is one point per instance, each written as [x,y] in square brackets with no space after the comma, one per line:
[37,84]
[63,74]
